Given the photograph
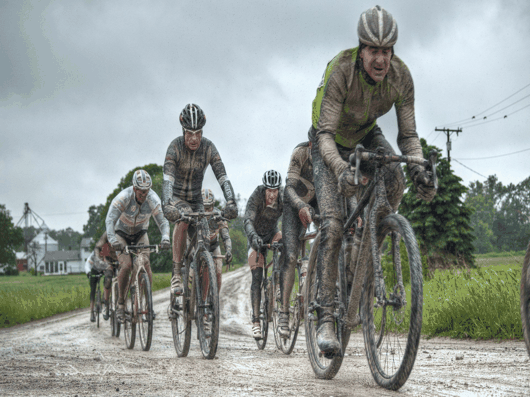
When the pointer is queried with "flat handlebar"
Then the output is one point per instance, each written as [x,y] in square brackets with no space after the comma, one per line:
[133,248]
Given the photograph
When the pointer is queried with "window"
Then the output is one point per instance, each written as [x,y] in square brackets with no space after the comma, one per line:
[65,267]
[60,267]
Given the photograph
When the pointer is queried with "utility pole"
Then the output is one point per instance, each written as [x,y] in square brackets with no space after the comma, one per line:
[448,133]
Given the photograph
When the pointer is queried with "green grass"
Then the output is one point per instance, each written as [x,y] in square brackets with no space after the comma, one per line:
[25,298]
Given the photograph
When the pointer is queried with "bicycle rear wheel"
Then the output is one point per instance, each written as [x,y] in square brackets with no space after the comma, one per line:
[115,324]
[525,298]
[98,304]
[325,366]
[392,331]
[145,312]
[295,309]
[129,323]
[264,315]
[181,318]
[207,298]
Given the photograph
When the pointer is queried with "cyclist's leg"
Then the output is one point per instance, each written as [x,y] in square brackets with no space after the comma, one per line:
[143,257]
[180,234]
[256,264]
[106,290]
[124,272]
[329,202]
[291,228]
[93,283]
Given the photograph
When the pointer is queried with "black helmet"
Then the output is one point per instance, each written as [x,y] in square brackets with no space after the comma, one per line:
[192,117]
[377,28]
[272,179]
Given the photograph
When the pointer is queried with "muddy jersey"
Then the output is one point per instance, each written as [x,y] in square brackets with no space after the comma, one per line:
[348,104]
[127,215]
[218,227]
[299,186]
[260,218]
[184,170]
[93,262]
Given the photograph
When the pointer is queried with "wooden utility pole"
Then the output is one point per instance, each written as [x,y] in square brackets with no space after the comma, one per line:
[448,133]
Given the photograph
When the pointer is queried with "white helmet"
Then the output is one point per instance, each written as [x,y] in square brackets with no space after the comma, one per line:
[377,28]
[272,179]
[208,198]
[142,180]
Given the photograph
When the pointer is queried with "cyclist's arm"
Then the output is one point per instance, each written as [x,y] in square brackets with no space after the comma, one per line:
[170,172]
[327,108]
[158,215]
[219,171]
[89,263]
[250,213]
[117,206]
[100,243]
[225,235]
[293,178]
[407,140]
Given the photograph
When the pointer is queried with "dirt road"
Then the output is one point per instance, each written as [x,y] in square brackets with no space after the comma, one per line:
[68,355]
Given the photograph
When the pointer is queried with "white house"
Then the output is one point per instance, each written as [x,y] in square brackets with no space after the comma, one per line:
[66,262]
[38,247]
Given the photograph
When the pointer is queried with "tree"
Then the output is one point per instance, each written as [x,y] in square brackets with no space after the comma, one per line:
[443,226]
[11,236]
[94,218]
[67,239]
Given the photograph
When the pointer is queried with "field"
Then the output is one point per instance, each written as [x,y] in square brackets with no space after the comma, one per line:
[25,298]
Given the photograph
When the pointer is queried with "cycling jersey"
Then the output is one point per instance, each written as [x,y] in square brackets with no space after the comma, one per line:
[260,218]
[95,263]
[184,171]
[347,103]
[126,215]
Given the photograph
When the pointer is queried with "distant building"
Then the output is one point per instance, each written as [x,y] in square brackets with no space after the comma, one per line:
[38,247]
[66,262]
[22,262]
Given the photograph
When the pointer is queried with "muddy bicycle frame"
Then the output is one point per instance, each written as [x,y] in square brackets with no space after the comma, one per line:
[381,206]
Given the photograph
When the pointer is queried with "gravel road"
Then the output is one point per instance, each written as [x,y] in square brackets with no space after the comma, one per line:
[66,355]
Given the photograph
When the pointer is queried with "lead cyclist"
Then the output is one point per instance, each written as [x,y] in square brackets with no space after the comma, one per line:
[358,86]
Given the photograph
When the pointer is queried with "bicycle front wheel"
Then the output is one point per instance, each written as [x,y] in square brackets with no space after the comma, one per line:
[525,298]
[129,322]
[115,324]
[264,314]
[145,312]
[276,305]
[98,304]
[325,366]
[392,329]
[181,318]
[207,298]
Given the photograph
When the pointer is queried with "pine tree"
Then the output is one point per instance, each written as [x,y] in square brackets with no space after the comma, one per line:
[442,227]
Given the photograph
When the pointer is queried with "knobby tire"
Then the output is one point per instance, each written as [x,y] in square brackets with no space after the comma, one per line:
[145,312]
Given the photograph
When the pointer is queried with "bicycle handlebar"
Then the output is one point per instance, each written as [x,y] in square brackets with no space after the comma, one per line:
[199,215]
[362,154]
[133,248]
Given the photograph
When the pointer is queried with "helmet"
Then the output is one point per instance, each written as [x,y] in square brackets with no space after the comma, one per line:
[272,179]
[377,28]
[208,198]
[142,180]
[192,117]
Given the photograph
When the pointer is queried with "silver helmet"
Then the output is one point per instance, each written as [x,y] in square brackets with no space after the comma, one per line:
[377,28]
[272,179]
[208,198]
[142,180]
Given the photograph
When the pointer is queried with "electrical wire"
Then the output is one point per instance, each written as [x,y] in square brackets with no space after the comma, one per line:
[500,155]
[470,168]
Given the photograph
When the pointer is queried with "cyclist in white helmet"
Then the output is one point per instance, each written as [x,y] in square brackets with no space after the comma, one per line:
[358,86]
[264,208]
[127,222]
[217,227]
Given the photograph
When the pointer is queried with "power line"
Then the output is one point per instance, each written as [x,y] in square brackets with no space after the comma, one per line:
[470,169]
[478,114]
[500,155]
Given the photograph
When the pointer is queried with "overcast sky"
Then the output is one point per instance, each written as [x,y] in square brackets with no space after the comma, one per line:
[90,90]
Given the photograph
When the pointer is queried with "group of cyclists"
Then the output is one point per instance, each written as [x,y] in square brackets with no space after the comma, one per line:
[358,86]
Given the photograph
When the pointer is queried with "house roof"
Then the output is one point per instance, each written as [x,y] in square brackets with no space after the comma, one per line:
[40,238]
[62,256]
[85,242]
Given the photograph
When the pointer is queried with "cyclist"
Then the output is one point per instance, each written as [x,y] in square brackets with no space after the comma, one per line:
[264,208]
[217,228]
[299,205]
[186,161]
[104,251]
[358,86]
[127,222]
[94,266]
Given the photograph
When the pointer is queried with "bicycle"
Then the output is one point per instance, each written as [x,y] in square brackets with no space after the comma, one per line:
[139,301]
[296,312]
[525,298]
[113,300]
[382,289]
[199,300]
[270,305]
